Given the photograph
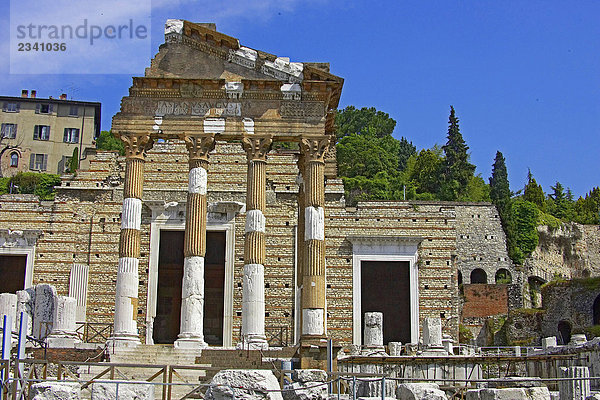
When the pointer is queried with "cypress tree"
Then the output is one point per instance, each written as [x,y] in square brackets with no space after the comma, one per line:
[457,169]
[499,185]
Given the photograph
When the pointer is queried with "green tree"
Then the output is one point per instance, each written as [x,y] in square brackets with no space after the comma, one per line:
[406,149]
[476,190]
[366,121]
[523,225]
[74,164]
[106,141]
[559,204]
[457,170]
[534,192]
[499,185]
[41,185]
[587,209]
[423,170]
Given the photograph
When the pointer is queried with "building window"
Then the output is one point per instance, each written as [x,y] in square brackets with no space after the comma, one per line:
[14,160]
[11,107]
[71,135]
[43,108]
[38,162]
[9,131]
[73,111]
[41,132]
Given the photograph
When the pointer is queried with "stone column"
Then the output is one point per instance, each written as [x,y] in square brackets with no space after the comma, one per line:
[574,389]
[373,332]
[126,302]
[300,237]
[8,306]
[194,247]
[432,335]
[63,329]
[253,300]
[313,270]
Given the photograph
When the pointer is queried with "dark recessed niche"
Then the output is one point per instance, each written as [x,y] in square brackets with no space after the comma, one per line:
[328,286]
[426,286]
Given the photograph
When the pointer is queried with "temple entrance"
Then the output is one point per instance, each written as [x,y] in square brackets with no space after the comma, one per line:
[385,287]
[170,275]
[12,271]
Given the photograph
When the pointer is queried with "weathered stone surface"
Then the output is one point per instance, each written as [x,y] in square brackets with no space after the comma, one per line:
[432,332]
[309,375]
[305,391]
[395,348]
[257,384]
[533,393]
[419,391]
[127,391]
[8,306]
[595,396]
[44,310]
[26,304]
[549,342]
[373,329]
[55,391]
[577,389]
[372,387]
[514,382]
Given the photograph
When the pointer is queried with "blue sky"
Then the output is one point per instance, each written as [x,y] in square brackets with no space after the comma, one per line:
[523,76]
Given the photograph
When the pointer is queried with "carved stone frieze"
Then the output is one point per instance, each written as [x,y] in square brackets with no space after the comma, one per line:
[295,109]
[13,238]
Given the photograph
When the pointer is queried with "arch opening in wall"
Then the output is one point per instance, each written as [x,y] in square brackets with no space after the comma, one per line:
[503,276]
[478,276]
[460,278]
[596,310]
[14,159]
[564,332]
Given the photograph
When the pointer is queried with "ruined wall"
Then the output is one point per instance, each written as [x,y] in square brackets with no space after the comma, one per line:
[480,242]
[483,300]
[570,251]
[570,301]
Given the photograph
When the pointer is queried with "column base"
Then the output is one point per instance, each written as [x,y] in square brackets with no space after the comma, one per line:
[62,341]
[253,342]
[123,340]
[193,343]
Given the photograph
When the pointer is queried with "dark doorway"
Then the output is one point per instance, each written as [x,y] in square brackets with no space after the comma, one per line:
[385,287]
[478,276]
[596,311]
[170,275]
[564,332]
[12,271]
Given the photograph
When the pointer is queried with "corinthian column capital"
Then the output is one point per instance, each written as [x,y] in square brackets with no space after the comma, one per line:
[257,146]
[136,144]
[314,148]
[198,147]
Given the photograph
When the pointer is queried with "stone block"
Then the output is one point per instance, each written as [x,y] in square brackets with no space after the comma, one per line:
[43,310]
[548,342]
[373,332]
[26,304]
[309,375]
[367,387]
[577,339]
[418,391]
[55,391]
[305,391]
[395,348]
[576,389]
[533,393]
[258,384]
[127,391]
[432,332]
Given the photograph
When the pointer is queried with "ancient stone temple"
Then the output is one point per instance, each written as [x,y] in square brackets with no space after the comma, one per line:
[225,224]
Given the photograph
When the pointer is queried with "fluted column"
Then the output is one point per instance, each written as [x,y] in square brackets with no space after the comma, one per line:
[126,302]
[253,297]
[313,269]
[194,247]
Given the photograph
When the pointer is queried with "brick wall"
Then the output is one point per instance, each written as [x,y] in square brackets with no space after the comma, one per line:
[483,300]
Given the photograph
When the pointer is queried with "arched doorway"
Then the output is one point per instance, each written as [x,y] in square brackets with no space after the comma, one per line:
[596,310]
[460,278]
[503,276]
[478,276]
[564,331]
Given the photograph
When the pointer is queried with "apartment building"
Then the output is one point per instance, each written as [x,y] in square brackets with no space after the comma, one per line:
[40,134]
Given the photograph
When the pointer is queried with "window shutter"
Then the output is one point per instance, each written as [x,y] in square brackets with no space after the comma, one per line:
[50,108]
[4,107]
[37,108]
[15,131]
[76,135]
[48,133]
[18,107]
[45,163]
[3,132]
[66,136]
[32,161]
[36,132]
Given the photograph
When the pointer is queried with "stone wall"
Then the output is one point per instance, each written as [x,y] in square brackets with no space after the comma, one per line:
[481,242]
[484,300]
[570,251]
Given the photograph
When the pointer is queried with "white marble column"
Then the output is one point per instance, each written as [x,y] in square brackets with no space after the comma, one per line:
[64,325]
